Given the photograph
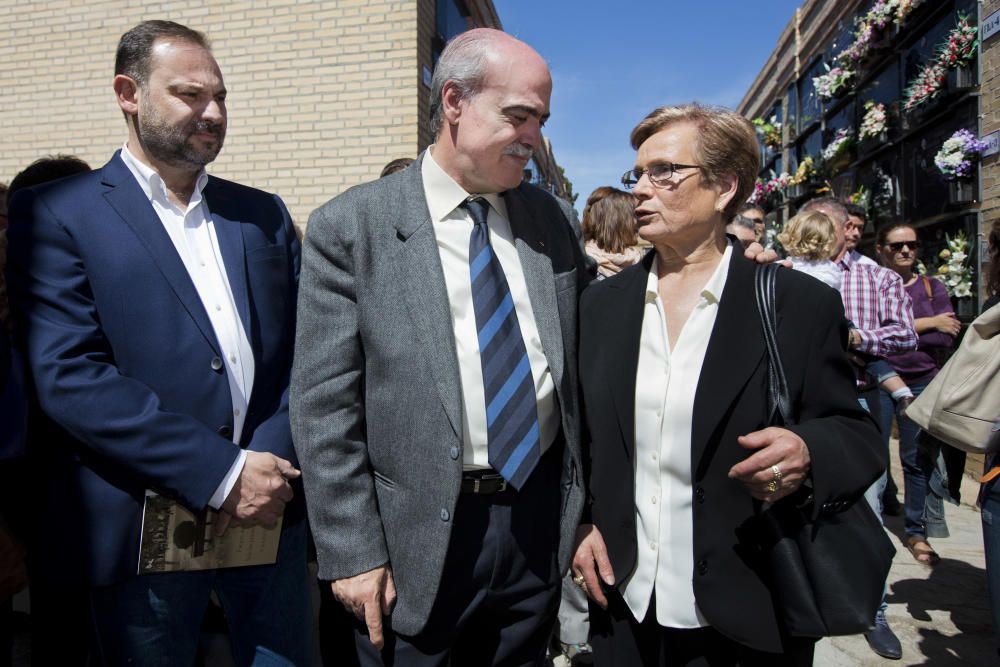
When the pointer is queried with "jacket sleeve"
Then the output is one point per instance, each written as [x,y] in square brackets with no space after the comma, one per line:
[327,401]
[115,418]
[845,446]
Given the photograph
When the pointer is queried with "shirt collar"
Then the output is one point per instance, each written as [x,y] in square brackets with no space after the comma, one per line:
[711,292]
[848,261]
[151,183]
[444,195]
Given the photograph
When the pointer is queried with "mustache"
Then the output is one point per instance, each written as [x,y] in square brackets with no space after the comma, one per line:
[519,150]
[206,126]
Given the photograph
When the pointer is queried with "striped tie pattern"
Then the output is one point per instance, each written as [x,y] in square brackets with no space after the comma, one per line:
[511,411]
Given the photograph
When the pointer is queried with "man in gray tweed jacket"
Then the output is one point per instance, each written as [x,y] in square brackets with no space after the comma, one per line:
[442,516]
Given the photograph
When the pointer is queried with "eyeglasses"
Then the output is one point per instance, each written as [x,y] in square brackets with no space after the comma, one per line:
[899,245]
[659,174]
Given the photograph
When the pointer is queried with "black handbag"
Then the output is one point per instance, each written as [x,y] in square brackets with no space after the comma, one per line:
[827,574]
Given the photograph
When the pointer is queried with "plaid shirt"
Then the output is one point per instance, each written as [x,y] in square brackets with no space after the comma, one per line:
[877,304]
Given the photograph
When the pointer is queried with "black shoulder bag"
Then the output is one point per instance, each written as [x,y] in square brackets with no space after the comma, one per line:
[826,574]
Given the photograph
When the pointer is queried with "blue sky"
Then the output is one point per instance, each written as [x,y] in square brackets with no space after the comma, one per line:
[614,63]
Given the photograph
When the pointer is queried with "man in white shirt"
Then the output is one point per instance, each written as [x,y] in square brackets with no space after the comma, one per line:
[156,307]
[434,395]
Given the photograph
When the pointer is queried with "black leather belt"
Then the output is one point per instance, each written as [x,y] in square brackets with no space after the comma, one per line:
[483,482]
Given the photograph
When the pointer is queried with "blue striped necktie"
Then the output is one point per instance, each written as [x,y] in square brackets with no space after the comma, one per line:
[511,410]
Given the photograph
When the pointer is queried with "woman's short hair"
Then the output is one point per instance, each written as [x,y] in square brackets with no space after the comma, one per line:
[726,146]
[610,222]
[810,234]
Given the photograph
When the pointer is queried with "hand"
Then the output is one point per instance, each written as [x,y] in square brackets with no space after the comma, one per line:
[369,596]
[947,323]
[775,447]
[591,551]
[260,492]
[755,252]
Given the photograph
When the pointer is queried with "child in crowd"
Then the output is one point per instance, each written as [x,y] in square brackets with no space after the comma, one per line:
[808,238]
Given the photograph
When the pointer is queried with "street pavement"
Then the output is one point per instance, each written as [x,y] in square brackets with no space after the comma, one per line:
[941,614]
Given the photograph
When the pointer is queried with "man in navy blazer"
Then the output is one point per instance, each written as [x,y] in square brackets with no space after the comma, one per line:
[156,308]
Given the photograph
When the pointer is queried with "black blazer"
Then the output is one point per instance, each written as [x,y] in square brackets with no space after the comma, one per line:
[730,400]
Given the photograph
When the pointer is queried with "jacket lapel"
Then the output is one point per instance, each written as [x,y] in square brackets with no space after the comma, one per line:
[537,267]
[624,317]
[128,200]
[418,265]
[735,350]
[230,236]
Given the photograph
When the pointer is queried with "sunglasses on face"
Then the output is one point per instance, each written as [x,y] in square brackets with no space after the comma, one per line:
[899,245]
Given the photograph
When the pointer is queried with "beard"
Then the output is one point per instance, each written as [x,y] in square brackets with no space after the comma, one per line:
[173,145]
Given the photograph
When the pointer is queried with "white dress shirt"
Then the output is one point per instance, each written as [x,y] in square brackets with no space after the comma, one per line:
[453,229]
[192,232]
[665,385]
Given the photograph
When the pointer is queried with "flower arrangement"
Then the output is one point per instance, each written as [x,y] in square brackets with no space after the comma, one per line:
[958,50]
[861,45]
[804,173]
[765,190]
[769,131]
[903,9]
[925,87]
[860,197]
[957,153]
[882,13]
[874,121]
[953,271]
[841,142]
[834,82]
[960,47]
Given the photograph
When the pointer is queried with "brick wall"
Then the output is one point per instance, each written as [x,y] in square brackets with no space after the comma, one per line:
[990,121]
[321,94]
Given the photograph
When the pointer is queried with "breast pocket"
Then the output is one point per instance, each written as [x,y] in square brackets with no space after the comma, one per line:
[267,253]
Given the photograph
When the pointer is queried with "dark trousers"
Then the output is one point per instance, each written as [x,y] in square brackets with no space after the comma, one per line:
[499,591]
[618,640]
[155,619]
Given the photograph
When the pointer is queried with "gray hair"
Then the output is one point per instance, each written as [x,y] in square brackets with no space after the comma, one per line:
[463,62]
[829,203]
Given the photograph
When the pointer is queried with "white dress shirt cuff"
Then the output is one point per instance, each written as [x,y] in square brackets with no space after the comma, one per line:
[228,482]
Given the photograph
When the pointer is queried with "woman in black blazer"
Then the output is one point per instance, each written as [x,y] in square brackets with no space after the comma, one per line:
[673,368]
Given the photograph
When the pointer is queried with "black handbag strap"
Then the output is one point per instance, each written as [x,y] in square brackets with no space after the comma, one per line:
[779,404]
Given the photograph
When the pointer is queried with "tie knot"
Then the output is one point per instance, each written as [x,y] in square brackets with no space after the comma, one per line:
[478,208]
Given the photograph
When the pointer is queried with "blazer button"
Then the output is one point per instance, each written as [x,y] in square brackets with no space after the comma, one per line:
[226,431]
[454,453]
[445,515]
[216,364]
[703,566]
[699,493]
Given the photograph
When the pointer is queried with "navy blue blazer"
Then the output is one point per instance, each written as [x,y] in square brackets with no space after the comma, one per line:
[130,392]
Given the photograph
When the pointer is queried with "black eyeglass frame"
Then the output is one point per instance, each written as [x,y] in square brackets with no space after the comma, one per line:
[631,177]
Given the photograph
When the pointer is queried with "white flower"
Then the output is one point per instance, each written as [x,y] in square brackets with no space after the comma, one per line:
[963,290]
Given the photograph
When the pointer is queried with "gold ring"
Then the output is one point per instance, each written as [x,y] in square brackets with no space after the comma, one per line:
[772,486]
[777,472]
[579,580]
